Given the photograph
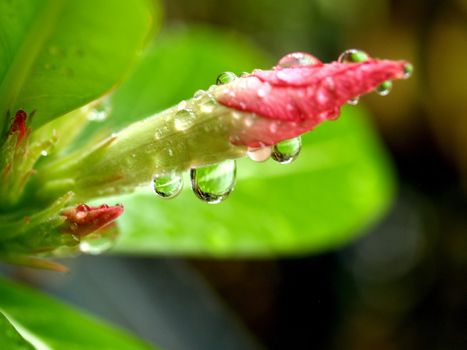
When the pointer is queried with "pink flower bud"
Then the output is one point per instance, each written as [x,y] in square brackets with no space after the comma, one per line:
[83,219]
[293,99]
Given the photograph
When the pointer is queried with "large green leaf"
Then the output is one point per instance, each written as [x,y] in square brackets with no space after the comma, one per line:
[56,55]
[10,338]
[339,185]
[48,324]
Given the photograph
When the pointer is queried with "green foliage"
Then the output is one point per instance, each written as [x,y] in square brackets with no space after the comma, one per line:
[57,326]
[57,55]
[10,338]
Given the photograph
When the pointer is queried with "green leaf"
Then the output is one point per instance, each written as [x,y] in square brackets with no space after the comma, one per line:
[57,55]
[48,324]
[10,338]
[178,63]
[340,184]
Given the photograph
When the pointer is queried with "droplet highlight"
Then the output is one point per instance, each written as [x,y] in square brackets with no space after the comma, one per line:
[297,59]
[225,78]
[384,88]
[168,186]
[287,151]
[214,183]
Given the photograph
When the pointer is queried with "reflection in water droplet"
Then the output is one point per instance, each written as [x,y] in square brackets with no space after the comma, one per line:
[297,59]
[353,56]
[287,151]
[353,101]
[225,77]
[44,153]
[96,244]
[168,186]
[214,183]
[184,119]
[259,154]
[384,88]
[408,69]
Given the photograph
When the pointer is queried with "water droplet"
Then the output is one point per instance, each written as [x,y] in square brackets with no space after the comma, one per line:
[168,186]
[353,56]
[198,94]
[259,154]
[184,119]
[408,69]
[264,90]
[96,244]
[225,78]
[214,183]
[353,101]
[297,59]
[99,113]
[287,151]
[384,88]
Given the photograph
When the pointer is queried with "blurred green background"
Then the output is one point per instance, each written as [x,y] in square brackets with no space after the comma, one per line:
[402,285]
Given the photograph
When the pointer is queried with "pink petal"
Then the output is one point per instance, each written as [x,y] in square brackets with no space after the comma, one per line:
[300,97]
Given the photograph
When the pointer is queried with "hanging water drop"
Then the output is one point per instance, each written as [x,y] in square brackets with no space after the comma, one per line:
[168,186]
[353,101]
[408,69]
[353,56]
[297,59]
[259,154]
[384,88]
[214,183]
[96,244]
[287,151]
[184,118]
[225,78]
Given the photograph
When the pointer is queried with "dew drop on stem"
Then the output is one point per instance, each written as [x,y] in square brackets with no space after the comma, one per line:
[168,186]
[225,78]
[214,183]
[287,151]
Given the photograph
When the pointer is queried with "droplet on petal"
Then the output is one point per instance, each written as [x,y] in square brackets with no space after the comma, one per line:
[259,154]
[353,56]
[408,69]
[384,88]
[214,183]
[225,78]
[297,59]
[287,151]
[168,186]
